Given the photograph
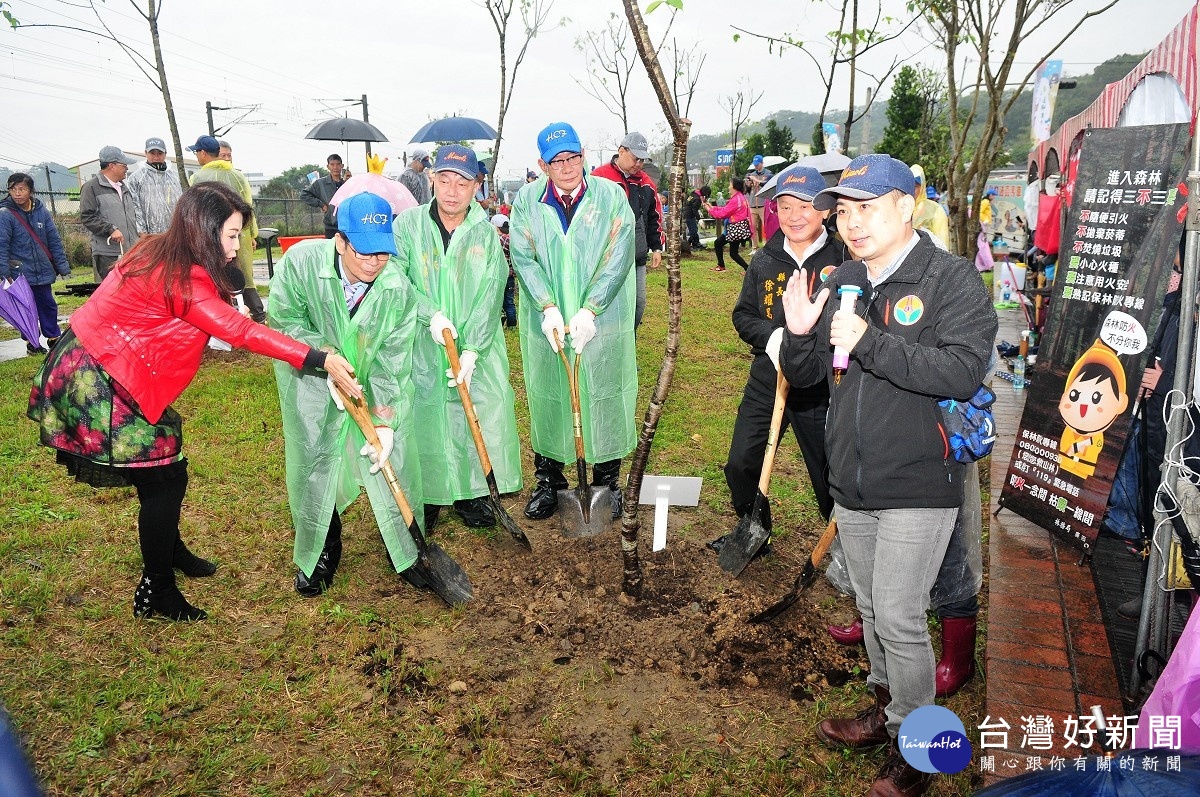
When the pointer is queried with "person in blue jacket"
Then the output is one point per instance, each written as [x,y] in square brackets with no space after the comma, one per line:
[30,245]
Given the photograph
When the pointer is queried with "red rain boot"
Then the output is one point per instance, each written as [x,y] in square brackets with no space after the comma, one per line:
[848,635]
[957,664]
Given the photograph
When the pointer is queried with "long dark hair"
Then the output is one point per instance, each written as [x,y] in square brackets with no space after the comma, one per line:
[192,239]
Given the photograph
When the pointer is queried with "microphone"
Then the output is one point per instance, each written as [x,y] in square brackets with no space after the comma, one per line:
[850,277]
[237,283]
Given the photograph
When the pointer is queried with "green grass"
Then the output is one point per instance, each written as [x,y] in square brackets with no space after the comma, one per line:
[349,694]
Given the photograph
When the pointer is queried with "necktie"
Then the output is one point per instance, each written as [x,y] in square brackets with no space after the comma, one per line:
[567,203]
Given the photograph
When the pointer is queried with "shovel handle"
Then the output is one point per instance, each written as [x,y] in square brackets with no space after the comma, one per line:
[468,406]
[823,544]
[357,409]
[573,386]
[781,393]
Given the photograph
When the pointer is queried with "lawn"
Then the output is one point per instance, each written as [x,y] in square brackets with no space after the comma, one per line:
[550,683]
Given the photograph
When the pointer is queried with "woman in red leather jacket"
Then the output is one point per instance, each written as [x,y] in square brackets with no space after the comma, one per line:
[102,397]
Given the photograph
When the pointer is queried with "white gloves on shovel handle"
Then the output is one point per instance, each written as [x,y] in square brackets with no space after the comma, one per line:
[583,329]
[552,321]
[437,324]
[466,368]
[386,438]
[773,345]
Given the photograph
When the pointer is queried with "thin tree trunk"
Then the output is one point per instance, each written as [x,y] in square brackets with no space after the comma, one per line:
[631,583]
[503,107]
[152,18]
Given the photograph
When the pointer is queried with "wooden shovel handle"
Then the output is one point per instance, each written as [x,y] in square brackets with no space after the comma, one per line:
[823,544]
[573,386]
[357,408]
[468,406]
[781,393]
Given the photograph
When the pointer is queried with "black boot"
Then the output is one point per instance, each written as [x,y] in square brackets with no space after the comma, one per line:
[157,595]
[431,517]
[476,513]
[189,564]
[609,474]
[327,563]
[543,503]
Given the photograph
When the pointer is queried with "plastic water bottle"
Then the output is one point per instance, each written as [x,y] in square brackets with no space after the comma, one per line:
[1019,365]
[1006,294]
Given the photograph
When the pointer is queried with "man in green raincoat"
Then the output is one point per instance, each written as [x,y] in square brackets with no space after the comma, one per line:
[453,258]
[347,294]
[572,251]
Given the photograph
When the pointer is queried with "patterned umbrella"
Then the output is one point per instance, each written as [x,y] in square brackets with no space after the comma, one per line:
[17,308]
[373,182]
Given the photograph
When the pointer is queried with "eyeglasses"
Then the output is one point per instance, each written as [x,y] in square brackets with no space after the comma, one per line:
[562,163]
[636,159]
[378,257]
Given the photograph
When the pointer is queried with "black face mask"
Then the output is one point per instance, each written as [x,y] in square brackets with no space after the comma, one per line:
[162,167]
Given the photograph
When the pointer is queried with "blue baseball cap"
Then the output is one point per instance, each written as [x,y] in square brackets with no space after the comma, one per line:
[868,177]
[366,221]
[757,159]
[558,137]
[803,182]
[458,159]
[206,144]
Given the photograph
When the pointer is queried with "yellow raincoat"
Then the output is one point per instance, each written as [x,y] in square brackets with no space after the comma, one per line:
[220,171]
[929,215]
[466,283]
[590,265]
[324,468]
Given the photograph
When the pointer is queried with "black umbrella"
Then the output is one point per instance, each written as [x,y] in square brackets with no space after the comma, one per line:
[455,128]
[344,128]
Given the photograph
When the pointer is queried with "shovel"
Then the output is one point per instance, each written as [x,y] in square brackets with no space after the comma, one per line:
[749,535]
[585,512]
[488,474]
[441,574]
[803,581]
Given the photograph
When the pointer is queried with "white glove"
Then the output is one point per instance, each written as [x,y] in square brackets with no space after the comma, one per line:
[466,368]
[333,391]
[583,329]
[438,323]
[552,321]
[773,344]
[386,436]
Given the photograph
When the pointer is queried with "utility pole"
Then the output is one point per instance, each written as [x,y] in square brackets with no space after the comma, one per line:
[365,119]
[50,190]
[208,108]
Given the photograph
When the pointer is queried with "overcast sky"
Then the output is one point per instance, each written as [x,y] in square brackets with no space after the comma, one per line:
[66,94]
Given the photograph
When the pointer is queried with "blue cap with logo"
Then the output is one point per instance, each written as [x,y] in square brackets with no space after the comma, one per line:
[458,159]
[366,221]
[803,182]
[868,177]
[756,160]
[558,137]
[206,144]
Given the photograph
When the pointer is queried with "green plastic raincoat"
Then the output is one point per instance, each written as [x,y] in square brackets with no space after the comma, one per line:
[590,265]
[466,283]
[321,442]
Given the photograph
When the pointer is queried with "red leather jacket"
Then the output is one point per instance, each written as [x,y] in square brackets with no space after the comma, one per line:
[154,350]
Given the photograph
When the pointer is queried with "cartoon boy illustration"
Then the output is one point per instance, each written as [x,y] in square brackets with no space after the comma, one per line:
[1094,397]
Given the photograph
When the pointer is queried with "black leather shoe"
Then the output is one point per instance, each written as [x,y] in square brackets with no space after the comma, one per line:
[322,575]
[476,513]
[543,502]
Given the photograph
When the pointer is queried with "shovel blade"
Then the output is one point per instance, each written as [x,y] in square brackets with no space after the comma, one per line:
[576,522]
[444,576]
[741,545]
[510,525]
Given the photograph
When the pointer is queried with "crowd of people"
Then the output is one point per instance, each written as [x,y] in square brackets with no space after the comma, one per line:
[398,310]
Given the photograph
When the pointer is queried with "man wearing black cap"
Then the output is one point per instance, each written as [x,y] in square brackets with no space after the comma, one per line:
[106,210]
[155,190]
[800,245]
[213,168]
[625,169]
[922,328]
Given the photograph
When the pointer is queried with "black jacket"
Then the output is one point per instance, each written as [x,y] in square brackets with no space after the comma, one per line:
[931,327]
[692,206]
[759,309]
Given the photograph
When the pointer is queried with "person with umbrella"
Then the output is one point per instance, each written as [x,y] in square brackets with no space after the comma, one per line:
[572,249]
[214,169]
[348,295]
[414,177]
[756,178]
[454,259]
[321,191]
[31,247]
[103,396]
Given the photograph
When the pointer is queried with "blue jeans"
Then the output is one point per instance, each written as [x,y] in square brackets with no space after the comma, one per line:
[47,310]
[1125,497]
[640,303]
[893,557]
[510,301]
[693,231]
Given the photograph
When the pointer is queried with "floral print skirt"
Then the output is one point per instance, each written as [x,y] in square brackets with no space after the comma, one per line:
[95,425]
